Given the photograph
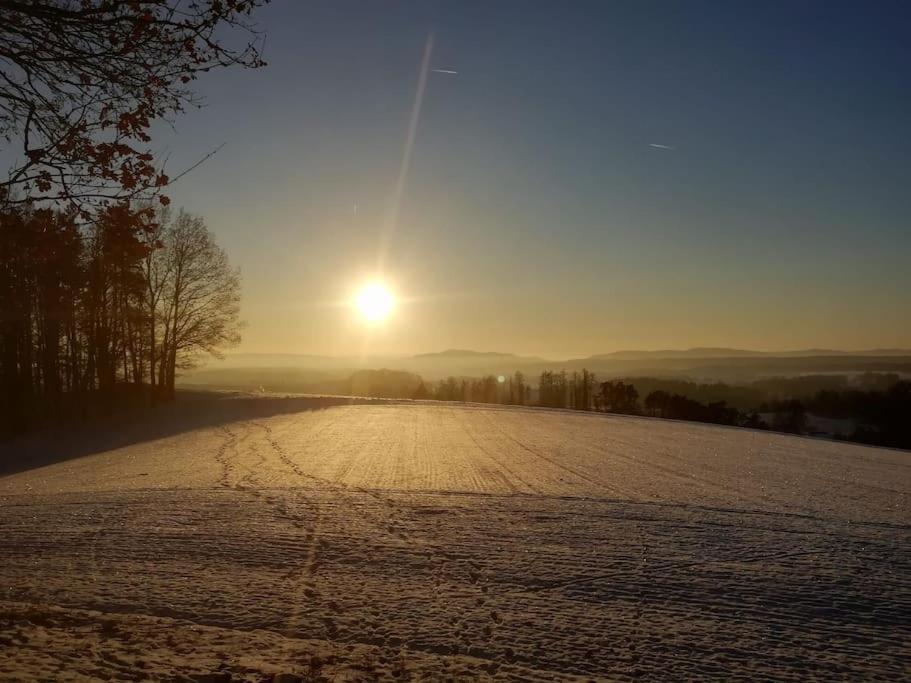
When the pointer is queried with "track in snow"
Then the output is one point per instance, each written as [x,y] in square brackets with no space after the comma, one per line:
[438,540]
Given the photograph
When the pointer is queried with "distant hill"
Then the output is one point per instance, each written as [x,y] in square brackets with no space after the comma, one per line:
[451,353]
[711,352]
[309,373]
[467,363]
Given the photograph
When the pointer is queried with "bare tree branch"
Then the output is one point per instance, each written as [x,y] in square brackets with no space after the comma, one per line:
[82,81]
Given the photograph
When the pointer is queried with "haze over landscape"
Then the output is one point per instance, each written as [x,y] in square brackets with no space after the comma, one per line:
[453,340]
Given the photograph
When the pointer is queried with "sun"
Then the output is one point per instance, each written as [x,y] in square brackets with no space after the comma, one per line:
[374,302]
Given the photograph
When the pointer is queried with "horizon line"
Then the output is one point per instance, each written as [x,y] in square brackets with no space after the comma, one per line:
[896,350]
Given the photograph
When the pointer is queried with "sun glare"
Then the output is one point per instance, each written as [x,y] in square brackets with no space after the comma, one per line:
[375,302]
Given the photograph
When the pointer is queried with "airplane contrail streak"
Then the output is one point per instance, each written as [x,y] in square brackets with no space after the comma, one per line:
[657,146]
[445,71]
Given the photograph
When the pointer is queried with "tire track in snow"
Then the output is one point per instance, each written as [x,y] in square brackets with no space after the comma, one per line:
[396,523]
[299,578]
[585,478]
[337,487]
[501,470]
[315,544]
[229,441]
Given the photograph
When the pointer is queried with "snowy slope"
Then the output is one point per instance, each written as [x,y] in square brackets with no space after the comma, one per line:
[261,535]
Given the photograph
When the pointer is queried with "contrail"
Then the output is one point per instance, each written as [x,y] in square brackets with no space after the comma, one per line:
[393,216]
[445,71]
[657,146]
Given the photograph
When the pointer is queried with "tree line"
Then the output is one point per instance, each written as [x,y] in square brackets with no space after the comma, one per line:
[99,294]
[877,404]
[880,417]
[513,390]
[92,312]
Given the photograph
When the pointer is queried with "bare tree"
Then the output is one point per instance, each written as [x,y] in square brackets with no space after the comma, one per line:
[199,298]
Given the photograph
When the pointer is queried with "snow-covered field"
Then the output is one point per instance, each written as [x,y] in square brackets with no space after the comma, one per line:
[257,535]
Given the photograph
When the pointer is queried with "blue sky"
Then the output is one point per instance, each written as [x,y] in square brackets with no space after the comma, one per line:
[536,215]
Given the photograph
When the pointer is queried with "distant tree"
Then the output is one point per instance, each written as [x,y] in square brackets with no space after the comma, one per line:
[489,389]
[720,413]
[517,388]
[657,403]
[554,389]
[790,416]
[587,389]
[449,389]
[675,406]
[619,397]
[421,392]
[887,417]
[753,420]
[546,388]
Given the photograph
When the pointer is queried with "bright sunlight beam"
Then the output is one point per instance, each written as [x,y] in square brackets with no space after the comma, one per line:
[375,302]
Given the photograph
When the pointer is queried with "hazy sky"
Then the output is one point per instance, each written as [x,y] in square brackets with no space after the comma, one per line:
[537,216]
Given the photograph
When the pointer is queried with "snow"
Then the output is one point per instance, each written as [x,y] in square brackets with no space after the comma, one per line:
[354,539]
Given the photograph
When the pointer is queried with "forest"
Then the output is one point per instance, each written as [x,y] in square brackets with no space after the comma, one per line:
[875,407]
[100,316]
[105,295]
